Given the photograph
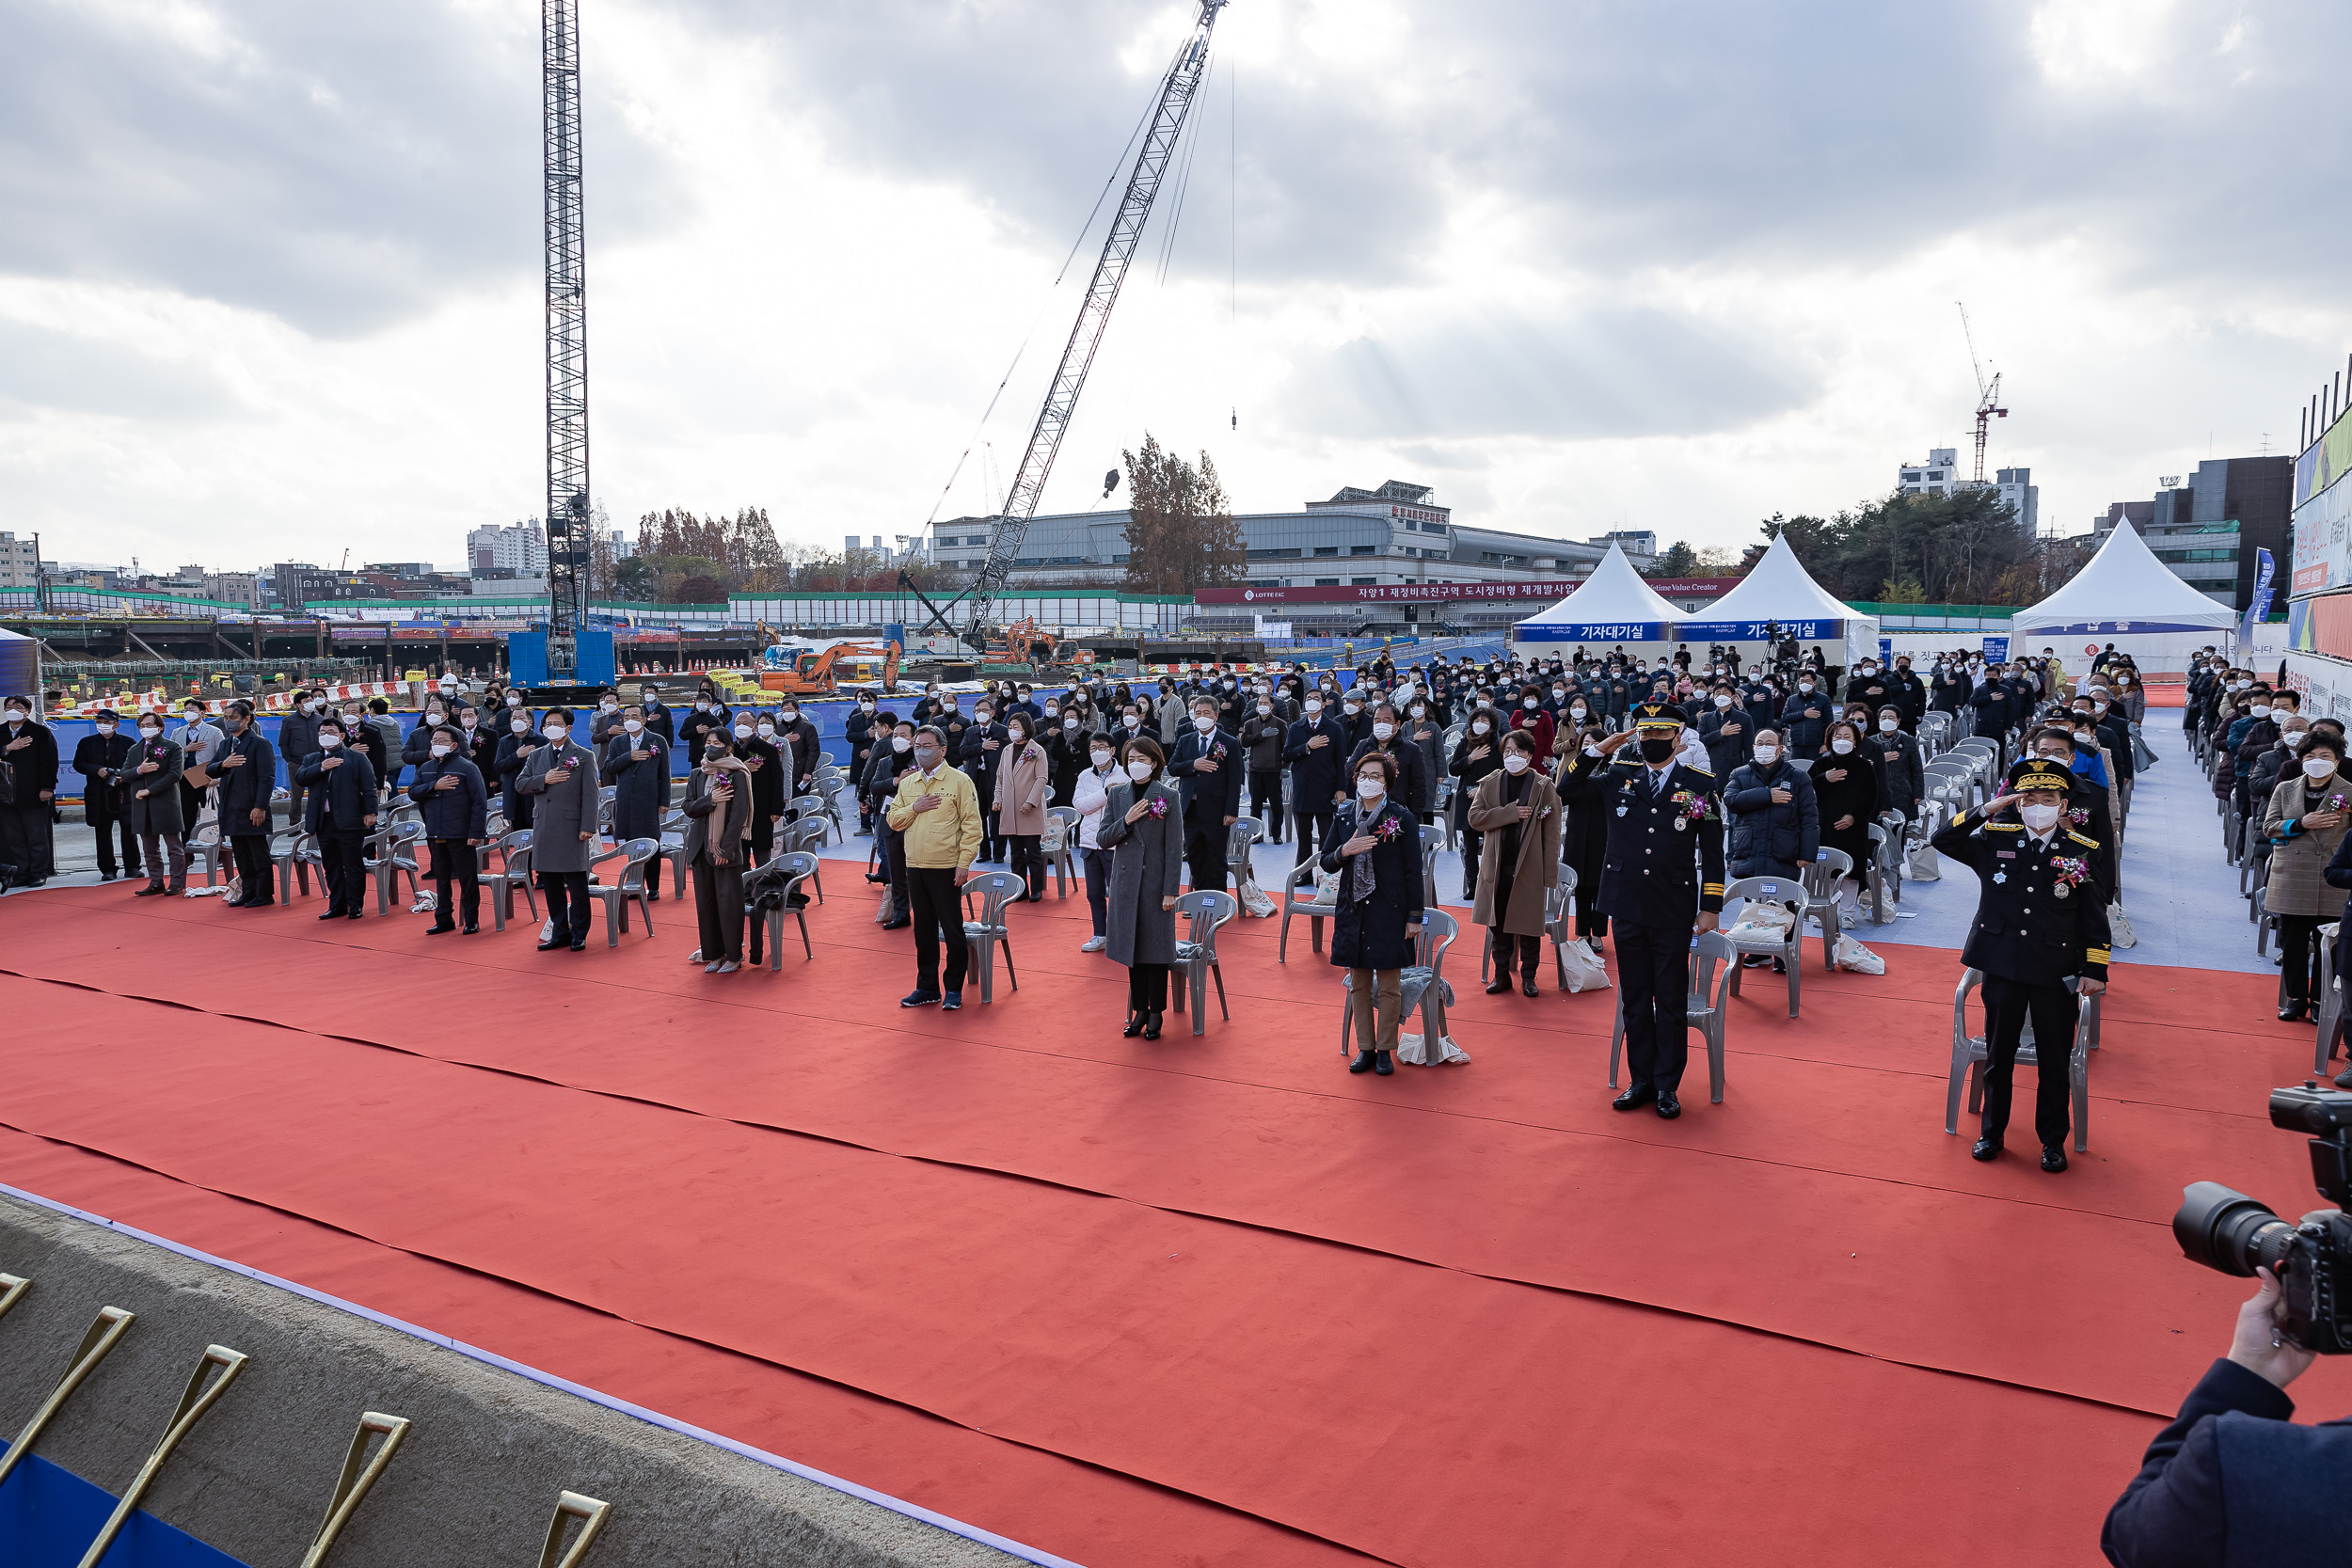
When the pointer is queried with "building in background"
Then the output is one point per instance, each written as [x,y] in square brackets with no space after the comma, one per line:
[520,549]
[2210,528]
[20,563]
[1938,476]
[237,588]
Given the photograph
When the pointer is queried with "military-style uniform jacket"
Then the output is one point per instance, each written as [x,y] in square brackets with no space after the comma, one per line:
[2043,913]
[1665,858]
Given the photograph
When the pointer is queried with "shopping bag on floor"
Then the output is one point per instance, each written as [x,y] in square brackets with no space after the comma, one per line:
[1252,898]
[1585,970]
[1412,1052]
[1852,955]
[889,910]
[2119,932]
[1922,864]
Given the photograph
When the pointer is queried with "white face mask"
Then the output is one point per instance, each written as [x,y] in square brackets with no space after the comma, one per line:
[633,726]
[1577,712]
[1370,789]
[1314,707]
[2318,769]
[106,729]
[1204,722]
[556,732]
[1102,760]
[2040,818]
[1139,771]
[1382,732]
[327,740]
[766,729]
[702,705]
[609,706]
[1481,727]
[1592,750]
[1513,762]
[520,726]
[866,706]
[1804,685]
[901,742]
[1768,754]
[1070,724]
[1841,746]
[441,748]
[744,732]
[1265,708]
[1889,726]
[2261,710]
[1722,701]
[791,714]
[1351,707]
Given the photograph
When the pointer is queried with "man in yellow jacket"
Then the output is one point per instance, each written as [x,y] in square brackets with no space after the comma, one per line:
[938,810]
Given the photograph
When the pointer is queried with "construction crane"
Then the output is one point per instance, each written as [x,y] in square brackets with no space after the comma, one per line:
[1011,526]
[566,341]
[1988,393]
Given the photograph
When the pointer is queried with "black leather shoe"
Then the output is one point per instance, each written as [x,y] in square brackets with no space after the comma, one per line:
[438,930]
[896,925]
[332,914]
[1987,1148]
[1384,1062]
[1497,986]
[1152,1027]
[1527,986]
[468,930]
[353,914]
[2292,1013]
[551,946]
[2052,1158]
[1362,1062]
[581,946]
[1135,1025]
[1668,1106]
[1634,1098]
[871,877]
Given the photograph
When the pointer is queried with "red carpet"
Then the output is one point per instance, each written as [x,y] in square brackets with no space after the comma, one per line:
[1418,1317]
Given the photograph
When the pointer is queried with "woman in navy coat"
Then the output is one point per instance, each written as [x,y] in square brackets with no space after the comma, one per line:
[1376,846]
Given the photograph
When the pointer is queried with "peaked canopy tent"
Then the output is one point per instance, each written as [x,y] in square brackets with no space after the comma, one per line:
[1778,589]
[2128,597]
[1612,606]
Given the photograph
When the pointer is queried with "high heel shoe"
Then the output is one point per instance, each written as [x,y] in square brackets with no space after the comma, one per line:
[1135,1025]
[1152,1028]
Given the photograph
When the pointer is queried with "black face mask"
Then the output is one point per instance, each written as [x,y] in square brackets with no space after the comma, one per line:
[714,753]
[1655,749]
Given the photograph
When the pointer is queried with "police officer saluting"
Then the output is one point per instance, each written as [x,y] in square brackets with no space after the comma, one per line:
[1662,881]
[2042,915]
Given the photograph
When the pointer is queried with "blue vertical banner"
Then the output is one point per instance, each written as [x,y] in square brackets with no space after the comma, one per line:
[2258,610]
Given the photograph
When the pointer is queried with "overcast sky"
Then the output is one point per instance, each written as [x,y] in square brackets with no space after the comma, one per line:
[269,268]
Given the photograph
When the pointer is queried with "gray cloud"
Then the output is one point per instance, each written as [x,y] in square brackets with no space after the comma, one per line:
[41,370]
[1612,372]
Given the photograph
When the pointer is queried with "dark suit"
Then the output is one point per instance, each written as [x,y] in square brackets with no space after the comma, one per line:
[453,819]
[2030,934]
[99,759]
[1209,797]
[30,752]
[243,790]
[2233,1481]
[341,800]
[1317,777]
[1653,885]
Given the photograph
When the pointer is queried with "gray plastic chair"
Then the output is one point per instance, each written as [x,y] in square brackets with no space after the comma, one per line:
[287,858]
[1791,952]
[998,889]
[1969,1050]
[1421,985]
[396,856]
[1820,899]
[1064,860]
[798,867]
[1713,966]
[616,896]
[1316,910]
[1879,876]
[1245,832]
[806,835]
[605,794]
[514,872]
[209,847]
[2328,998]
[674,850]
[1209,911]
[1432,839]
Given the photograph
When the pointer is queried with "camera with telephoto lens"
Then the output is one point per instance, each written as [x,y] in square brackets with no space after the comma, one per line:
[2312,1257]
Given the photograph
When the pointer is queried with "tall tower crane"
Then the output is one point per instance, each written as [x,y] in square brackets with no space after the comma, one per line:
[1988,393]
[567,342]
[1011,526]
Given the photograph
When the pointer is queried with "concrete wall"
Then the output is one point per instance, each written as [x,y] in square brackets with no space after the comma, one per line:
[477,1477]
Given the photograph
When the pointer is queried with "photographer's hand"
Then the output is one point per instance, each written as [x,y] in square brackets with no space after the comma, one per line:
[2258,1346]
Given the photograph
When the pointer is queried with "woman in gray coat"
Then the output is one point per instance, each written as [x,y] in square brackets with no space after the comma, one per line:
[2305,824]
[1143,826]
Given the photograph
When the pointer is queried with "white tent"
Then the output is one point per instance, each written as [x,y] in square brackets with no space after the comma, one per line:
[2124,589]
[2129,598]
[1778,588]
[1612,606]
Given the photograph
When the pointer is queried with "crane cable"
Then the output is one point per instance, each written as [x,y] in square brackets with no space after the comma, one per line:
[1116,168]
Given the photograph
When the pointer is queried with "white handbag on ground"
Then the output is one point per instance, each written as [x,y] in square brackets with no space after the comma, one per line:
[2119,932]
[1852,955]
[1585,970]
[1409,1051]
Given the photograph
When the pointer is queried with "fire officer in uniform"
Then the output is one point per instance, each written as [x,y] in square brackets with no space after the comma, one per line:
[1661,881]
[2041,917]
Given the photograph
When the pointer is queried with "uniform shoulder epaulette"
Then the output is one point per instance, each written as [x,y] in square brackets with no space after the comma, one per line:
[2004,827]
[2086,843]
[1702,772]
